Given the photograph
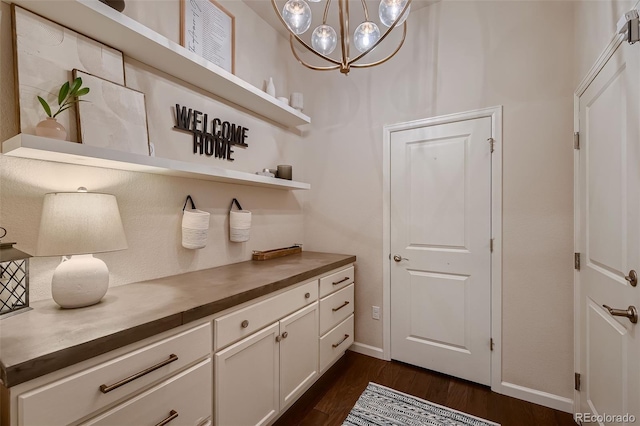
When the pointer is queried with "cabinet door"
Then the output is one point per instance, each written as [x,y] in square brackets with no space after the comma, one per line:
[246,380]
[298,353]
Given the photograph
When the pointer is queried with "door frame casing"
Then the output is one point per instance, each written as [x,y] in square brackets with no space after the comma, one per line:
[495,113]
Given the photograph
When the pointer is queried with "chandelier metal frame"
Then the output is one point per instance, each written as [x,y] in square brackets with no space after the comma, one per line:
[346,63]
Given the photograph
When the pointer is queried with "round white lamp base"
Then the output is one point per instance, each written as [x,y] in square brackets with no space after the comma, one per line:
[81,280]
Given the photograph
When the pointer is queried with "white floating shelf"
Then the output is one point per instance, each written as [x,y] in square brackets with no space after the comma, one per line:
[106,25]
[39,148]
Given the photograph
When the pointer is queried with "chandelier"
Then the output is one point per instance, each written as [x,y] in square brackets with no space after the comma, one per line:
[296,16]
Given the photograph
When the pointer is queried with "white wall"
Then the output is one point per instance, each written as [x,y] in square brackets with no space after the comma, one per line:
[595,24]
[260,51]
[151,205]
[462,56]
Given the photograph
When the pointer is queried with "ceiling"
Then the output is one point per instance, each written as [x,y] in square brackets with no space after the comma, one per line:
[264,9]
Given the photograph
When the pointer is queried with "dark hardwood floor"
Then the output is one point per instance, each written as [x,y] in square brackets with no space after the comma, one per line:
[329,401]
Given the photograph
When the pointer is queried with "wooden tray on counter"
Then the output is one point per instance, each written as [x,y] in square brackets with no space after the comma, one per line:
[272,254]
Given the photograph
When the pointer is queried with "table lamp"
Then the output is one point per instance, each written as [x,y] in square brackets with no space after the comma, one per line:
[80,224]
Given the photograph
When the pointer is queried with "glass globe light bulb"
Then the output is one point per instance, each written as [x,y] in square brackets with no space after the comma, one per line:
[390,10]
[324,39]
[366,35]
[297,15]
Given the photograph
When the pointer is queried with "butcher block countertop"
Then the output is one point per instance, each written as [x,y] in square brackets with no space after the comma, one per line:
[49,338]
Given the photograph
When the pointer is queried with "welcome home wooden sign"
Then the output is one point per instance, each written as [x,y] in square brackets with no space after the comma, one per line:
[211,138]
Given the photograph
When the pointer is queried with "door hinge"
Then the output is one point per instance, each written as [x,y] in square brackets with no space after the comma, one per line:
[491,344]
[492,144]
[576,261]
[577,382]
[491,245]
[576,140]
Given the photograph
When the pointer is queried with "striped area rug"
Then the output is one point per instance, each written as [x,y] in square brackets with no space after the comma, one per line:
[381,406]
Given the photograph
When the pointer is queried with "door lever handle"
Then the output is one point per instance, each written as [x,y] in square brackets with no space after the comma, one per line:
[631,313]
[399,258]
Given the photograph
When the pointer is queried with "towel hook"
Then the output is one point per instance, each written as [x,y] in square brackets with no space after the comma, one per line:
[193,206]
[235,201]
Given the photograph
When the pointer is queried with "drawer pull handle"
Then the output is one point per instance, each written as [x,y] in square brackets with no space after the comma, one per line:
[109,388]
[340,307]
[285,335]
[307,295]
[341,281]
[172,415]
[244,324]
[335,345]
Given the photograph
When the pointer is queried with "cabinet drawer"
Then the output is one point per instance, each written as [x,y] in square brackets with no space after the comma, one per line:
[71,398]
[335,308]
[239,324]
[334,343]
[336,281]
[186,397]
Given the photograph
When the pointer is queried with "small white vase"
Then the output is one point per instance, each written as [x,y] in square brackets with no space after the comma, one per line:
[271,89]
[297,101]
[50,128]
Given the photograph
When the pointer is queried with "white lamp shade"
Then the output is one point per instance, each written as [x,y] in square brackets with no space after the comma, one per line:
[80,223]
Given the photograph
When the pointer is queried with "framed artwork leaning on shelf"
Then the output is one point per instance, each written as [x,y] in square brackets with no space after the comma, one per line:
[113,116]
[45,54]
[208,30]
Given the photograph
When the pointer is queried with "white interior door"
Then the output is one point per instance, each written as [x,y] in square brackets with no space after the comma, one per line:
[440,222]
[609,237]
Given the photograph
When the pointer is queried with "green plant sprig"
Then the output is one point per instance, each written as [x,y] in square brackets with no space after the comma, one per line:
[67,97]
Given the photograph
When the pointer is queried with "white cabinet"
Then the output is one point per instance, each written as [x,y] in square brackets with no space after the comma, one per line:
[335,308]
[298,353]
[184,399]
[336,280]
[243,322]
[241,367]
[336,316]
[260,375]
[271,351]
[72,394]
[246,380]
[334,343]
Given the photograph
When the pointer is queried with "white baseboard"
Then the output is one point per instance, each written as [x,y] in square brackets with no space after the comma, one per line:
[537,397]
[363,349]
